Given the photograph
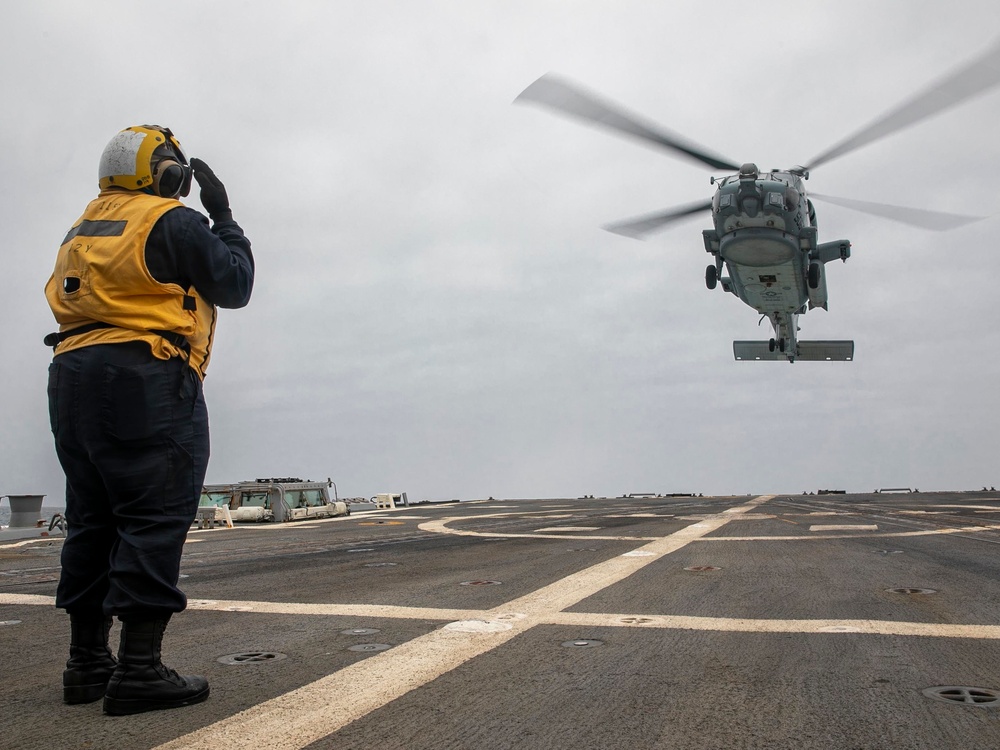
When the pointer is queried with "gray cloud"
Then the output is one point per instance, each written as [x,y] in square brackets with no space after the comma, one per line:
[437,310]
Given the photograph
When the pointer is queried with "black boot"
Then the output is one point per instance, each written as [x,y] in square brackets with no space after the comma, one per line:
[90,661]
[141,682]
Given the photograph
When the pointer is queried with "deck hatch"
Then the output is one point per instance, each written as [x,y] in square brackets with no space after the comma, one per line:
[251,657]
[964,696]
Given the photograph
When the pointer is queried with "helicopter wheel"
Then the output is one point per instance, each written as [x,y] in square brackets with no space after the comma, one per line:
[814,275]
[781,345]
[711,277]
[771,345]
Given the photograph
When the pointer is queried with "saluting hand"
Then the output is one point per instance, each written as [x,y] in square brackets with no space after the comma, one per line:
[213,192]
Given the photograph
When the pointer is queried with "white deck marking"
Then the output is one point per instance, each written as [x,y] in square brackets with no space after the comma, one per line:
[745,517]
[867,535]
[302,716]
[441,527]
[27,600]
[843,527]
[344,610]
[499,618]
[742,625]
[555,529]
[32,540]
[969,507]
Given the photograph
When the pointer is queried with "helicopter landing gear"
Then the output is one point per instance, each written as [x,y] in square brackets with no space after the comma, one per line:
[778,344]
[711,277]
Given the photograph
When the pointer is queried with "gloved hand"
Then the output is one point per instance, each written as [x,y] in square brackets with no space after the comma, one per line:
[213,192]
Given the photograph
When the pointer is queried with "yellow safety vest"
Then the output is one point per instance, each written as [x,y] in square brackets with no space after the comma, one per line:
[101,278]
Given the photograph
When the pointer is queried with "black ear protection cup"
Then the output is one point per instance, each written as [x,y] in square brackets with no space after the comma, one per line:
[171,179]
[171,171]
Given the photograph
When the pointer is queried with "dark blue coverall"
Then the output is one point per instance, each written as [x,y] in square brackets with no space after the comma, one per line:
[131,433]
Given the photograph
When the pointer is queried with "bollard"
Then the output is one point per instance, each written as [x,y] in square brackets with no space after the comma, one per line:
[25,510]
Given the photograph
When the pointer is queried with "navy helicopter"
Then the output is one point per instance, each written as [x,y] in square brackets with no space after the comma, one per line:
[764,243]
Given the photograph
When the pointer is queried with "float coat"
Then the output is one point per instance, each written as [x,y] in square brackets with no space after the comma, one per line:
[102,286]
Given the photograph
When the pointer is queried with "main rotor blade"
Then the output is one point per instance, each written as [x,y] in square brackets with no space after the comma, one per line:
[981,74]
[640,226]
[919,217]
[553,92]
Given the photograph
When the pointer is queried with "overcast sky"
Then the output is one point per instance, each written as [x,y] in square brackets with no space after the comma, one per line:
[437,310]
